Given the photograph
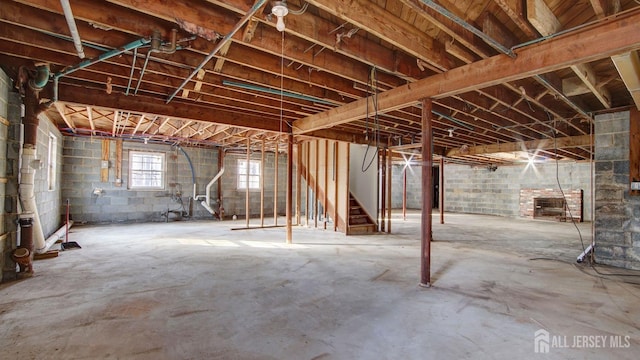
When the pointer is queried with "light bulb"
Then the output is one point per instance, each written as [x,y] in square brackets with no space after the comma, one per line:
[280,23]
[280,10]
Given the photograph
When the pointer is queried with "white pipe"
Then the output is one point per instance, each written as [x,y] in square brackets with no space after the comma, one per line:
[28,198]
[210,184]
[206,206]
[56,236]
[207,201]
[68,14]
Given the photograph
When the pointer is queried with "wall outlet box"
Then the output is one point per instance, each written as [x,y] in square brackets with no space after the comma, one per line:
[104,164]
[635,185]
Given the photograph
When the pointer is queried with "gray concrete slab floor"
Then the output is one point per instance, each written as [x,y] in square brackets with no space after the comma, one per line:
[198,290]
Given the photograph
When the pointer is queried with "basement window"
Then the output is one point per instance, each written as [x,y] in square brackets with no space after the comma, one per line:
[52,156]
[253,169]
[146,170]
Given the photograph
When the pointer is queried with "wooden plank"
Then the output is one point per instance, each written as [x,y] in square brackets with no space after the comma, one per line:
[538,144]
[4,121]
[104,167]
[458,51]
[547,23]
[298,180]
[574,86]
[153,106]
[90,118]
[118,163]
[67,120]
[497,31]
[289,191]
[514,9]
[610,37]
[326,182]
[588,77]
[376,20]
[542,18]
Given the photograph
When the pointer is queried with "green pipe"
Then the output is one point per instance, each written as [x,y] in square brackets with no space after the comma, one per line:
[277,92]
[86,63]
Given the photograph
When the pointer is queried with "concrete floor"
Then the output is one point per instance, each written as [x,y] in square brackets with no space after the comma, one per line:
[197,290]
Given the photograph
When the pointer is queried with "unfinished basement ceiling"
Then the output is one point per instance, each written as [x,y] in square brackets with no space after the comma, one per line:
[332,53]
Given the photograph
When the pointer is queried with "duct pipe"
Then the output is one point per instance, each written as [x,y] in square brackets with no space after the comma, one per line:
[41,79]
[206,202]
[27,194]
[220,44]
[68,14]
[193,173]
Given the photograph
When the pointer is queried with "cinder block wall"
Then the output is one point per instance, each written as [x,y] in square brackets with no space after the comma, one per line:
[477,190]
[617,214]
[8,179]
[94,201]
[49,202]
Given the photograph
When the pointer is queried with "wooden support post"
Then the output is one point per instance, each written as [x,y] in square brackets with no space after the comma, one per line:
[246,201]
[336,145]
[275,185]
[326,181]
[404,193]
[315,187]
[298,181]
[262,185]
[389,181]
[308,187]
[104,167]
[289,201]
[383,189]
[441,190]
[118,162]
[219,184]
[427,195]
[347,191]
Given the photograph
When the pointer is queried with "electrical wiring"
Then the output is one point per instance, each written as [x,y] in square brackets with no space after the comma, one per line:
[573,221]
[372,83]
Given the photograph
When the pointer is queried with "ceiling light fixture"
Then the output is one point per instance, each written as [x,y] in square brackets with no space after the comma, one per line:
[280,10]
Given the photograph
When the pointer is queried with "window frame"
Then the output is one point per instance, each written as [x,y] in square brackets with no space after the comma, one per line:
[52,155]
[254,179]
[132,177]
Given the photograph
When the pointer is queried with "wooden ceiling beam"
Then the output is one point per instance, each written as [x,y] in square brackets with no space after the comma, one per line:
[367,16]
[604,39]
[543,19]
[538,144]
[67,120]
[154,106]
[451,28]
[319,31]
[515,10]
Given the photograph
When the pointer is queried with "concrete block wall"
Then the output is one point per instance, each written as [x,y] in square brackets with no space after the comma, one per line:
[234,200]
[477,190]
[94,201]
[8,178]
[617,213]
[49,203]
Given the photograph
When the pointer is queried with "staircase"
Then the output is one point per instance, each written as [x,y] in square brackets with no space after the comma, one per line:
[359,222]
